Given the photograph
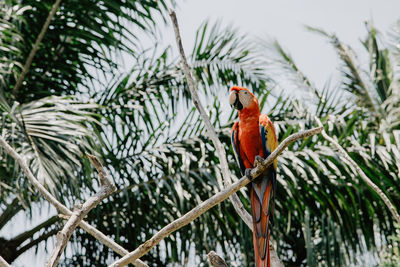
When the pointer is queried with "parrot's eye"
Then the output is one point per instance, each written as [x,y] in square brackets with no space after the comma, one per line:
[245,98]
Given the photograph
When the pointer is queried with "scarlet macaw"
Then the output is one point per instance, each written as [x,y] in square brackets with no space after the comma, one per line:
[254,137]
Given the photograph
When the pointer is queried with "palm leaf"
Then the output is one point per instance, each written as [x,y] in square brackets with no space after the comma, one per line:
[52,135]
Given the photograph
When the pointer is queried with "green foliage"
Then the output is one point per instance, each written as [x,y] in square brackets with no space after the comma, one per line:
[146,130]
[162,162]
[390,256]
[51,134]
[326,204]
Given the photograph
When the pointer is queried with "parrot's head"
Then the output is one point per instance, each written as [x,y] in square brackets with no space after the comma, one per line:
[241,98]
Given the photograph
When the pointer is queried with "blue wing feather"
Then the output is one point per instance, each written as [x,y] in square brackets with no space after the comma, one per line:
[271,169]
[264,141]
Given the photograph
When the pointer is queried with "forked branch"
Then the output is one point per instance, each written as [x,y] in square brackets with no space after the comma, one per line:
[106,189]
[63,209]
[220,149]
[211,202]
[226,174]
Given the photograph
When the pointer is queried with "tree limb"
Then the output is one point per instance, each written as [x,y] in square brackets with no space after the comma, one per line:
[237,204]
[106,189]
[368,181]
[63,209]
[35,47]
[226,174]
[211,202]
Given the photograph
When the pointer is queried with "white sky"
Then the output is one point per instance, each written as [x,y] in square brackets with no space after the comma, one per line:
[283,20]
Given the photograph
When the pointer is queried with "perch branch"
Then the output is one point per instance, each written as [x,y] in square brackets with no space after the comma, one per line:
[215,260]
[63,209]
[211,202]
[361,173]
[237,204]
[3,262]
[107,188]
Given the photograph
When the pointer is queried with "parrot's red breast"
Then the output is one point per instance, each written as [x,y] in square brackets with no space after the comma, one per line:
[254,135]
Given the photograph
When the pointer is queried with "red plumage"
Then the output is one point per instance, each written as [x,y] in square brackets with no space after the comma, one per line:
[252,136]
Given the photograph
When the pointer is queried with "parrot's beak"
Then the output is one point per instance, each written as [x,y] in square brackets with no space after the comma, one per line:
[234,101]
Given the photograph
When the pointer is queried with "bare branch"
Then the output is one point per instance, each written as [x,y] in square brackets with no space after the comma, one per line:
[32,178]
[105,240]
[63,209]
[211,202]
[226,174]
[361,173]
[106,189]
[3,263]
[35,47]
[215,260]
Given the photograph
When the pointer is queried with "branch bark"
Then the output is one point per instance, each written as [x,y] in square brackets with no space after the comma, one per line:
[63,209]
[226,174]
[368,181]
[35,47]
[106,189]
[215,260]
[211,202]
[237,204]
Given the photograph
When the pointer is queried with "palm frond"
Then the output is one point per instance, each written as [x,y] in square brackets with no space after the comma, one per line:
[52,135]
[222,56]
[380,69]
[82,36]
[11,16]
[355,80]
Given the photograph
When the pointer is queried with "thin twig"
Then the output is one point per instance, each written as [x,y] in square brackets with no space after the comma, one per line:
[106,189]
[211,202]
[215,260]
[361,173]
[35,48]
[3,262]
[63,209]
[226,174]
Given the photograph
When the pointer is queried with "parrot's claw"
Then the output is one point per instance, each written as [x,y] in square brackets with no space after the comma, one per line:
[247,173]
[258,161]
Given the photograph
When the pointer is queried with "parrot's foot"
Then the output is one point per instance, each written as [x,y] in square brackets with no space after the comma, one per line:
[247,174]
[258,161]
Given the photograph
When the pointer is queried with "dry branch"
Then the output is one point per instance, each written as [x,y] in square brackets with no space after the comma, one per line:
[106,189]
[211,202]
[237,204]
[35,47]
[219,147]
[215,260]
[63,209]
[361,173]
